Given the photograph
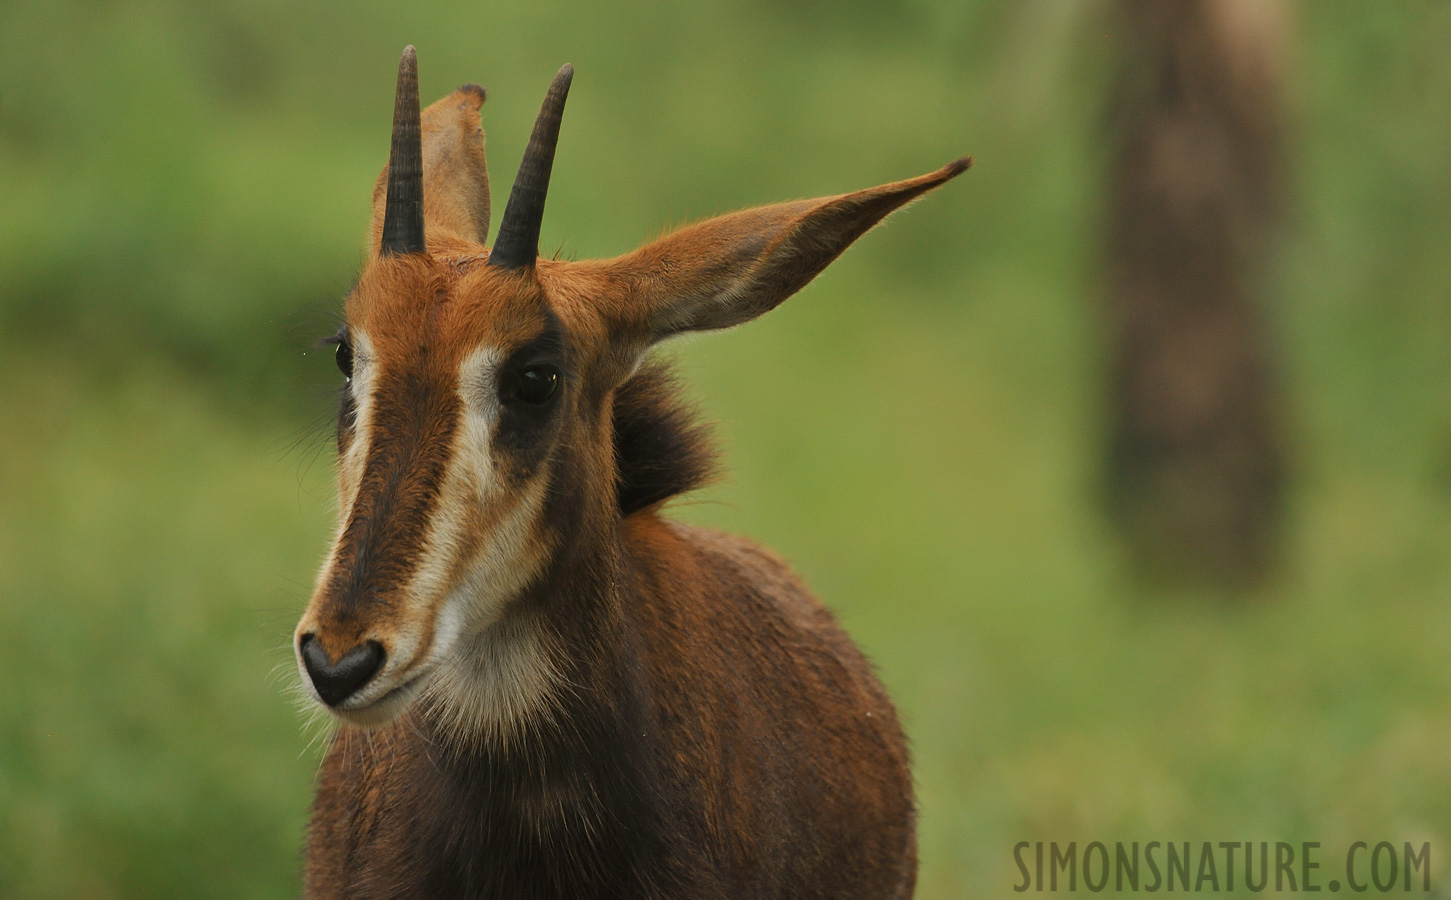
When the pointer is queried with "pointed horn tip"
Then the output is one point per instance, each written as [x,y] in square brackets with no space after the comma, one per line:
[408,65]
[562,80]
[408,62]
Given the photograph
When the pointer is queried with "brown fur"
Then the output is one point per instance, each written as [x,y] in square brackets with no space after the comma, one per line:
[653,710]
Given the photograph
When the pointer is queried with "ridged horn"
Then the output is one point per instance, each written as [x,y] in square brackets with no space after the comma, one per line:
[517,244]
[403,212]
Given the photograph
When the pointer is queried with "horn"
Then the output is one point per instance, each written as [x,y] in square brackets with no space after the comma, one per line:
[403,212]
[517,244]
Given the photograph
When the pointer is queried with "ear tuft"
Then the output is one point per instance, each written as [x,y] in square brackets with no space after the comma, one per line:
[661,450]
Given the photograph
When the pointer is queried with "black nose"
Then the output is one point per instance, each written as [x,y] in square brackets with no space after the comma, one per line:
[337,682]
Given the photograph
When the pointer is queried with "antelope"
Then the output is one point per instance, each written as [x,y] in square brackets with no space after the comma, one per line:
[545,687]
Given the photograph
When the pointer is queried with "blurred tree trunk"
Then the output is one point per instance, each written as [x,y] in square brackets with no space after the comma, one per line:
[1196,470]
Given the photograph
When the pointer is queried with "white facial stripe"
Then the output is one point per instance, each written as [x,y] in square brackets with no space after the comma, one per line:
[469,482]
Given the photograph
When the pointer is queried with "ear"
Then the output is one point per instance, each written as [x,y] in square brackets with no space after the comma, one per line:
[455,177]
[729,270]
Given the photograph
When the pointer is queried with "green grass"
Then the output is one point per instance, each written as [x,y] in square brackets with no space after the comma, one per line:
[919,431]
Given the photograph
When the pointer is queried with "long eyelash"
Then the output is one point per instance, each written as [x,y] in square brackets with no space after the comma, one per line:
[335,339]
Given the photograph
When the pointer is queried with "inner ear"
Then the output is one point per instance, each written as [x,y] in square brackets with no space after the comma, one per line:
[455,175]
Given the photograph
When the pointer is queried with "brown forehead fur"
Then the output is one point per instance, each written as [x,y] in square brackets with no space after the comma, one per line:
[447,303]
[416,308]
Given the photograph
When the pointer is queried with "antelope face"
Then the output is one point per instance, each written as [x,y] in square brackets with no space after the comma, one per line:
[460,386]
[475,434]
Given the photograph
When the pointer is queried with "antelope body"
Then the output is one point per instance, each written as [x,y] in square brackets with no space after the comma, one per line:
[546,689]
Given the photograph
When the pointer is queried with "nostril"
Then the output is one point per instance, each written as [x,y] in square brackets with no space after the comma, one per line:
[336,682]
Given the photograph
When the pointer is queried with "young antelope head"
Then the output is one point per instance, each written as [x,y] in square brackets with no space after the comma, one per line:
[475,441]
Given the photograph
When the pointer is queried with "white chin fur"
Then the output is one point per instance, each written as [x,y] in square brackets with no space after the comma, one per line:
[498,683]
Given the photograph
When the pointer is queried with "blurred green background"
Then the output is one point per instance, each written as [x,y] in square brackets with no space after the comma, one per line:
[185,192]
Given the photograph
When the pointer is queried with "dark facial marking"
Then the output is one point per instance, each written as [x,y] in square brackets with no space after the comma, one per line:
[415,416]
[531,403]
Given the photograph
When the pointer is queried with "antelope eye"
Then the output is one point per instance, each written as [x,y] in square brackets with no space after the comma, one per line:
[344,357]
[536,384]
